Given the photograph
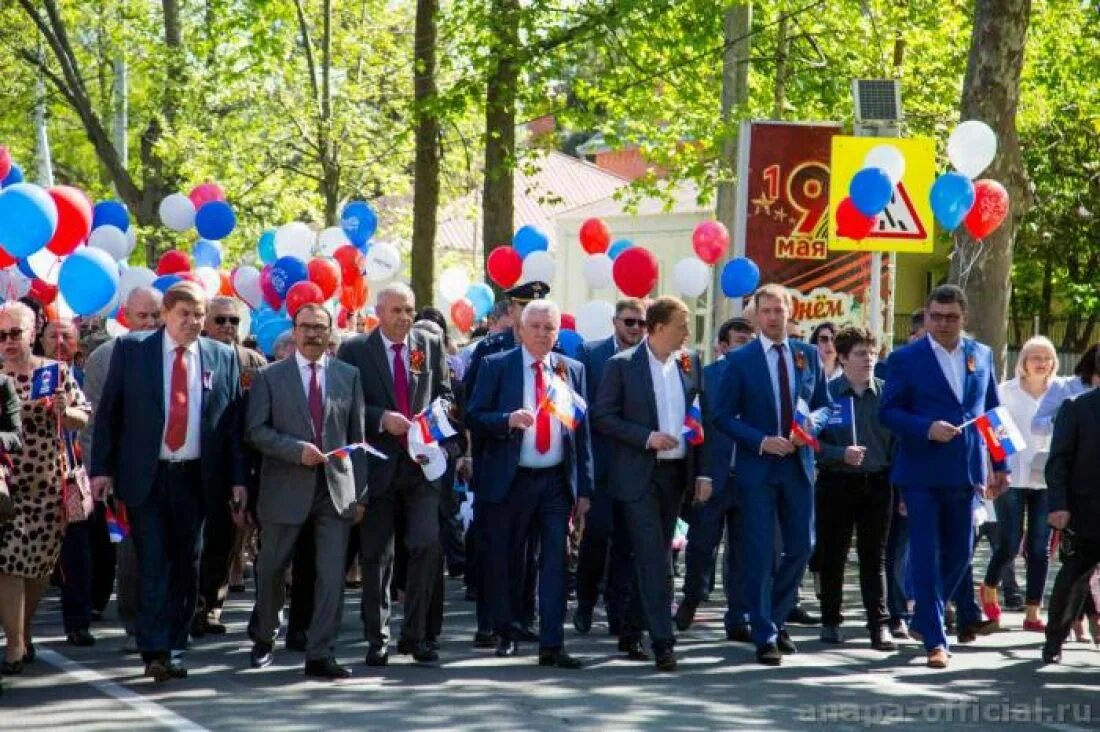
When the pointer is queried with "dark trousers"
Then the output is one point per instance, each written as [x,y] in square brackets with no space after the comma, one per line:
[419,500]
[219,534]
[899,586]
[863,502]
[1071,587]
[651,523]
[103,559]
[451,539]
[302,582]
[1012,507]
[478,577]
[721,513]
[76,576]
[604,558]
[167,532]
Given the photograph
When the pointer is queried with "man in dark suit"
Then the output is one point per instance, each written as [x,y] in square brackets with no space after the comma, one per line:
[936,384]
[604,555]
[722,511]
[643,399]
[766,386]
[537,466]
[403,371]
[299,410]
[167,442]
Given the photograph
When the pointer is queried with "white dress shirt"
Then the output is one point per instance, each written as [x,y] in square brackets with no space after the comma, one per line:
[668,394]
[191,448]
[952,364]
[389,353]
[1027,465]
[529,456]
[306,373]
[772,357]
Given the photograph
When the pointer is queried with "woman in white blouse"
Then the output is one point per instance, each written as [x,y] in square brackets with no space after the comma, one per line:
[1027,498]
[824,338]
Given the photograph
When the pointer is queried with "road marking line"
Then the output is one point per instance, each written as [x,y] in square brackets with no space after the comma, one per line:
[132,699]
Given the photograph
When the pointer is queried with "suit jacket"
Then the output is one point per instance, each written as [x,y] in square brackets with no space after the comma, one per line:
[718,448]
[129,428]
[1072,470]
[280,427]
[745,408]
[368,354]
[626,413]
[595,355]
[917,394]
[498,393]
[96,367]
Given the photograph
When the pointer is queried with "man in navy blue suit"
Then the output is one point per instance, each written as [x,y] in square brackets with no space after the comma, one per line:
[767,385]
[936,384]
[537,469]
[167,443]
[605,546]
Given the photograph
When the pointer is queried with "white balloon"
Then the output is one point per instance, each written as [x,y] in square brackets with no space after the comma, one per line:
[691,276]
[46,265]
[594,320]
[453,283]
[972,147]
[177,212]
[210,279]
[538,266]
[134,277]
[331,239]
[598,271]
[382,261]
[115,328]
[131,241]
[13,284]
[246,283]
[110,239]
[889,158]
[294,240]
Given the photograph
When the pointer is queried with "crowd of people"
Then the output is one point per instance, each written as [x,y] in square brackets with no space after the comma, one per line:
[351,459]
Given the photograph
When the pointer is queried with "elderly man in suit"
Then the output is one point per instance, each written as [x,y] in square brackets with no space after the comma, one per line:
[402,372]
[766,385]
[300,410]
[640,408]
[936,384]
[537,467]
[604,557]
[167,442]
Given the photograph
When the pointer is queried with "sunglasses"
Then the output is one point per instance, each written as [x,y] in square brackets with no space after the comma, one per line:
[15,334]
[632,322]
[223,319]
[824,338]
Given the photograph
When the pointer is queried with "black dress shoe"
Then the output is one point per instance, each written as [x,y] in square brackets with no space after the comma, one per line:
[769,655]
[11,668]
[326,668]
[739,634]
[433,643]
[262,655]
[685,615]
[798,616]
[157,669]
[236,589]
[785,644]
[422,652]
[29,654]
[176,669]
[881,640]
[296,642]
[664,658]
[1052,655]
[215,627]
[505,648]
[81,638]
[558,658]
[485,639]
[524,633]
[377,656]
[970,633]
[582,619]
[633,649]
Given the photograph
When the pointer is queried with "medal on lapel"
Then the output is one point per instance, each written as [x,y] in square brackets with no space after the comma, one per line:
[684,359]
[416,360]
[246,380]
[799,360]
[559,370]
[971,364]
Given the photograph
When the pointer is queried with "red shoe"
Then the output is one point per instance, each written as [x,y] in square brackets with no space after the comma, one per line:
[991,605]
[1036,625]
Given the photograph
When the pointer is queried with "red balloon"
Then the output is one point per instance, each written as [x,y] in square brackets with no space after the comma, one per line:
[173,262]
[226,288]
[568,322]
[120,316]
[368,322]
[989,210]
[325,273]
[504,266]
[710,241]
[462,314]
[5,162]
[6,260]
[342,318]
[351,263]
[851,223]
[354,296]
[42,292]
[635,272]
[595,236]
[205,193]
[267,287]
[302,293]
[74,219]
[190,277]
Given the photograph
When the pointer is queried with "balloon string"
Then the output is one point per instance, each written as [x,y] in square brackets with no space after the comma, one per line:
[964,271]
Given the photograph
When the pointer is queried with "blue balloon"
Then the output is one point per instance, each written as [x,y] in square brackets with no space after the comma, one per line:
[163,282]
[215,220]
[15,175]
[111,213]
[207,254]
[481,297]
[740,277]
[870,191]
[952,197]
[28,219]
[528,239]
[287,272]
[570,341]
[266,247]
[269,331]
[88,280]
[619,247]
[25,267]
[359,222]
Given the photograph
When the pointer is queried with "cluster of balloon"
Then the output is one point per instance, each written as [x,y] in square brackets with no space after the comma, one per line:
[526,260]
[870,191]
[468,302]
[956,197]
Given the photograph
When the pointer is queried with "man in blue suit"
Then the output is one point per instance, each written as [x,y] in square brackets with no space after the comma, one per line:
[605,546]
[767,385]
[936,384]
[537,468]
[167,442]
[722,511]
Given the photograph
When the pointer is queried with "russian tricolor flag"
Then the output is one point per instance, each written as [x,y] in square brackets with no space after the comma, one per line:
[346,450]
[564,403]
[118,524]
[1001,435]
[693,424]
[434,424]
[800,425]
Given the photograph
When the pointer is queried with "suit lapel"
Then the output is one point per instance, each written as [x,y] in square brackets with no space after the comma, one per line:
[376,347]
[334,385]
[764,369]
[645,381]
[154,345]
[934,366]
[968,377]
[292,382]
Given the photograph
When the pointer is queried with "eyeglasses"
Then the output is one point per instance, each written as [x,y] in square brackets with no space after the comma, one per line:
[311,328]
[223,319]
[15,334]
[632,322]
[824,338]
[945,317]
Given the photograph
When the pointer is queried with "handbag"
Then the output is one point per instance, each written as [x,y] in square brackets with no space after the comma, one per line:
[76,489]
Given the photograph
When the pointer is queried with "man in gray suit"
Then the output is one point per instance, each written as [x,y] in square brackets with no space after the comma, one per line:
[299,409]
[402,372]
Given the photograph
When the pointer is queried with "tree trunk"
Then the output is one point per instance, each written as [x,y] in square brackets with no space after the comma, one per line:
[991,91]
[330,162]
[779,98]
[426,171]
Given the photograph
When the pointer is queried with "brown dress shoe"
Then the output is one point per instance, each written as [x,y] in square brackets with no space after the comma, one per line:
[937,658]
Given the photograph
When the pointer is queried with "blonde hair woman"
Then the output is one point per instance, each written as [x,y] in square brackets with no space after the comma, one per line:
[1027,498]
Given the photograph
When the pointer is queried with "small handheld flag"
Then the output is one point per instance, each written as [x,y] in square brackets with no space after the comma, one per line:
[841,415]
[564,403]
[118,524]
[800,425]
[693,424]
[433,423]
[346,450]
[1001,435]
[45,380]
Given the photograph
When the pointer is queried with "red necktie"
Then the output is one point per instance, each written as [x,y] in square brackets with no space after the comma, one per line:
[316,405]
[786,410]
[542,419]
[400,380]
[176,434]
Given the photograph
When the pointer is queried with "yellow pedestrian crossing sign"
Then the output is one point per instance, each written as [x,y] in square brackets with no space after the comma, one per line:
[906,223]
